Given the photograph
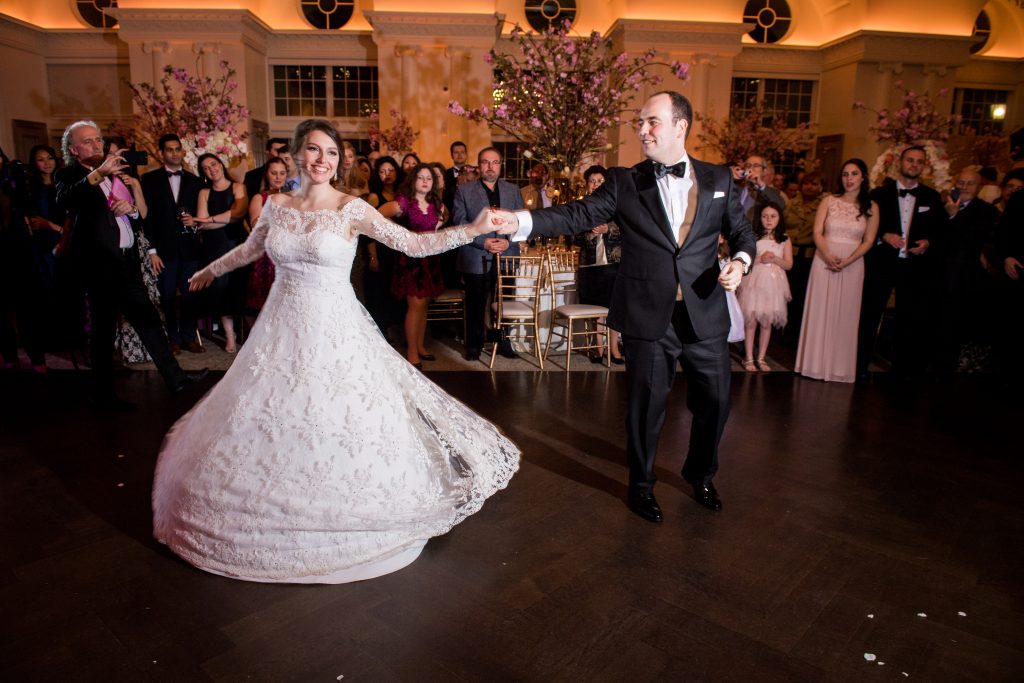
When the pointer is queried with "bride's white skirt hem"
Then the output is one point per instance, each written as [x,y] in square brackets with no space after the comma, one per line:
[360,572]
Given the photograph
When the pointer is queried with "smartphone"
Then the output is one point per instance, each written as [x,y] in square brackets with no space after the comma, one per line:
[954,194]
[134,157]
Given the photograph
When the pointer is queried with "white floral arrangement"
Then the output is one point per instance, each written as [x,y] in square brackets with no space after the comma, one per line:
[936,171]
[227,146]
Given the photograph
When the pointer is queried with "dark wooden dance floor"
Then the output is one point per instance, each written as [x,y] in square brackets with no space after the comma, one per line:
[883,523]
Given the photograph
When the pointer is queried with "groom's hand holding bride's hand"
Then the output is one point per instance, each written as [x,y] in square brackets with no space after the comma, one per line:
[201,280]
[495,220]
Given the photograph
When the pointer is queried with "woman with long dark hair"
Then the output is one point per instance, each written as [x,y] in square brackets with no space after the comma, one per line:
[417,206]
[322,456]
[222,205]
[380,260]
[844,230]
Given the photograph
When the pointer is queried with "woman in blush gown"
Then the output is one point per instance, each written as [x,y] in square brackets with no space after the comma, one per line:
[322,456]
[844,229]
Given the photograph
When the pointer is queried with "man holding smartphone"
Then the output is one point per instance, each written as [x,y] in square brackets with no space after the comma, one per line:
[102,252]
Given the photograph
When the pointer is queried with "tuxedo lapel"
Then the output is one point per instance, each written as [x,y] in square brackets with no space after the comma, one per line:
[705,189]
[647,188]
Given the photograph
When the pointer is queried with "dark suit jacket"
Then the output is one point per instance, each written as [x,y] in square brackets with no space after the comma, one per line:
[451,181]
[971,233]
[928,222]
[163,229]
[470,200]
[653,265]
[93,247]
[253,179]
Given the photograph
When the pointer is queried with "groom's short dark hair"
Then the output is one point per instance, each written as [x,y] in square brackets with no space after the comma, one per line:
[681,108]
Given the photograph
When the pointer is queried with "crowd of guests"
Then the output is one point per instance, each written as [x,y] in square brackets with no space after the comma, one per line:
[827,264]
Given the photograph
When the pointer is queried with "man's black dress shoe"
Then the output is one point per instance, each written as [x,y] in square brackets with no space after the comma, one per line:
[189,378]
[706,495]
[645,505]
[473,354]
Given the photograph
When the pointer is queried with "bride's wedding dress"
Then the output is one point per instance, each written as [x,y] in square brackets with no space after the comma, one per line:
[322,456]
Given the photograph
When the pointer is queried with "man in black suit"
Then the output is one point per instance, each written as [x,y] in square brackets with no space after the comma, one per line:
[969,271]
[171,194]
[459,154]
[669,297]
[254,178]
[102,252]
[911,225]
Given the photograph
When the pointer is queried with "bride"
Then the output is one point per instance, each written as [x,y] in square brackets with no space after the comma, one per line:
[322,456]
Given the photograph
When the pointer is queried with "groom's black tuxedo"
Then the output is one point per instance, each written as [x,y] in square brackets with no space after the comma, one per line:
[112,277]
[657,329]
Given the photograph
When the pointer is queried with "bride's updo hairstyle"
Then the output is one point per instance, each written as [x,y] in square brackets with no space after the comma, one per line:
[303,130]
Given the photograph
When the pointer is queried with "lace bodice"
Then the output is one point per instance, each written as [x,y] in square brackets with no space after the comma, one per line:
[842,224]
[327,237]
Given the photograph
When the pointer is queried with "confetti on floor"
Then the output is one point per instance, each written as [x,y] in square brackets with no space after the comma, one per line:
[962,614]
[870,657]
[871,616]
[922,615]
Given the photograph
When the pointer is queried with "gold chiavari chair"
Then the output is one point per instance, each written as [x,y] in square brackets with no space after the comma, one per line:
[562,267]
[517,301]
[450,305]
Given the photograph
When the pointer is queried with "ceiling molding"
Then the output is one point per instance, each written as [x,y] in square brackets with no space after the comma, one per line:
[908,48]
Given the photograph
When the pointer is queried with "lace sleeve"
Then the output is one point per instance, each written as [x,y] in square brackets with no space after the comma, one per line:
[246,252]
[368,221]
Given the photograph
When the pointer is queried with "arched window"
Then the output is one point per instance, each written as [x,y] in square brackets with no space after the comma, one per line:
[772,17]
[329,14]
[92,12]
[542,13]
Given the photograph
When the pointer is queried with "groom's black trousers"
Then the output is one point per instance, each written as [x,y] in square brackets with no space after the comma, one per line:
[650,371]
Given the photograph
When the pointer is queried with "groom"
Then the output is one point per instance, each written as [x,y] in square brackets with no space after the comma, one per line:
[669,297]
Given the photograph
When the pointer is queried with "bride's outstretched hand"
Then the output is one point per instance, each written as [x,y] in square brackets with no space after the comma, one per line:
[495,220]
[201,280]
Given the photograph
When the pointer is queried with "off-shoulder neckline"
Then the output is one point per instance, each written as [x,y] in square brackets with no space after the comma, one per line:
[338,209]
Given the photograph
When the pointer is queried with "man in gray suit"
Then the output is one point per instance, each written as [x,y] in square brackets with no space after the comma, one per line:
[475,261]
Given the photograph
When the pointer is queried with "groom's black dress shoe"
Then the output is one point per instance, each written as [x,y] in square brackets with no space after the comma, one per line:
[646,505]
[706,495]
[188,379]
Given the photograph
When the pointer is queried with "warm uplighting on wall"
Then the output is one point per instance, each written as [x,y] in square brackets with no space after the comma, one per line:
[998,112]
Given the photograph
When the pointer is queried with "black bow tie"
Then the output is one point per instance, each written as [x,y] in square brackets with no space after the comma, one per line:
[171,174]
[661,170]
[912,192]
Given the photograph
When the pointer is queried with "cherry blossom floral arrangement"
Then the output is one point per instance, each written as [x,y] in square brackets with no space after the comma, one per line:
[202,111]
[399,138]
[753,131]
[558,94]
[915,122]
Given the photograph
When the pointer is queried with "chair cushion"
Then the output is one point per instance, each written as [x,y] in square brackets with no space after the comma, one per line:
[516,309]
[451,295]
[574,310]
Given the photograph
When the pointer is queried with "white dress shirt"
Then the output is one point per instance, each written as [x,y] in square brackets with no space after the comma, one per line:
[907,205]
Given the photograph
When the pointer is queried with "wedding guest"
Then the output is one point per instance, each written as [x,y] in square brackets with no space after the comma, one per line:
[380,260]
[844,231]
[989,190]
[969,272]
[102,250]
[45,218]
[459,154]
[791,189]
[262,275]
[363,173]
[449,259]
[293,171]
[600,253]
[172,193]
[1010,256]
[417,207]
[1013,181]
[126,339]
[409,162]
[476,259]
[254,177]
[222,205]
[349,179]
[536,195]
[800,213]
[756,190]
[764,294]
[911,221]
